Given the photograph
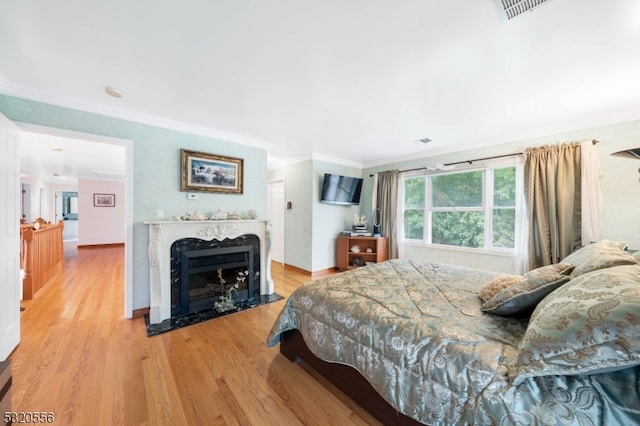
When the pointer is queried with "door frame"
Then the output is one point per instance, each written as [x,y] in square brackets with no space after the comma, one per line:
[279,181]
[128,146]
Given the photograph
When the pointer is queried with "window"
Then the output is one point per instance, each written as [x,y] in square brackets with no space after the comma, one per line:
[474,209]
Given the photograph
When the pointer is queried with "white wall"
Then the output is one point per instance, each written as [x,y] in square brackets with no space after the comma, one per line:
[36,184]
[100,225]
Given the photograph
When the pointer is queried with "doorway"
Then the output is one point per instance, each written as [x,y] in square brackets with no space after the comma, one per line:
[67,211]
[128,198]
[25,214]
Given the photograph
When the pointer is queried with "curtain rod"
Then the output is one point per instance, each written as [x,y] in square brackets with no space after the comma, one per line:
[593,141]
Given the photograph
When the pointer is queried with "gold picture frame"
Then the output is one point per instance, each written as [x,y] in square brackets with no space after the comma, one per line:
[204,172]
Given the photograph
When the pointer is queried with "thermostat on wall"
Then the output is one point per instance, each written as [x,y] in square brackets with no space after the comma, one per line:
[191,196]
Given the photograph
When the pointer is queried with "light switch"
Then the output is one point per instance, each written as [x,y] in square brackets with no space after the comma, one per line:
[191,196]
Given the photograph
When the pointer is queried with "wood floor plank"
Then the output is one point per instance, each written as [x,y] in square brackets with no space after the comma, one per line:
[82,360]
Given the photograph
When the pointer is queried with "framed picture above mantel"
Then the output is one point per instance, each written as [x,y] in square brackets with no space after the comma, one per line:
[204,172]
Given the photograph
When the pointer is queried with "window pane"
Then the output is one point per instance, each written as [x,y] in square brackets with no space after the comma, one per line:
[457,190]
[504,187]
[504,223]
[414,193]
[414,224]
[465,229]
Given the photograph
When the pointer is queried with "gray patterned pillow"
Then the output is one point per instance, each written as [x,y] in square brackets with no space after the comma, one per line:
[494,286]
[590,325]
[562,268]
[603,254]
[524,295]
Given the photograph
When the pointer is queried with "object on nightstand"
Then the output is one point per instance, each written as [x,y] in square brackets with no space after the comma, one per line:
[377,223]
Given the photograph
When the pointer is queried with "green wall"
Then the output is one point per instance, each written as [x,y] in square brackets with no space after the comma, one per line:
[311,227]
[298,219]
[156,168]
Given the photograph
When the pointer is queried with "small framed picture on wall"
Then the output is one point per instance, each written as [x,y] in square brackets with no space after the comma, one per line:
[104,200]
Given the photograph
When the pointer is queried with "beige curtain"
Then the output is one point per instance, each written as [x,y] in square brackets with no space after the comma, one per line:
[552,178]
[387,202]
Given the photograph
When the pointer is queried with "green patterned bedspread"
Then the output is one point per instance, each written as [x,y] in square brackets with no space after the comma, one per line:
[415,331]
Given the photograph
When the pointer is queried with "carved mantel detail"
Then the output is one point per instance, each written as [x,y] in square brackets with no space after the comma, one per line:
[219,232]
[162,234]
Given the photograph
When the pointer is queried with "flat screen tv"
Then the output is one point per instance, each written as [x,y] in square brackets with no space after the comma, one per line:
[338,189]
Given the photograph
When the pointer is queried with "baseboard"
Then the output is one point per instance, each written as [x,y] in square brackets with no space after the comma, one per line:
[89,246]
[139,313]
[308,273]
[324,272]
[296,269]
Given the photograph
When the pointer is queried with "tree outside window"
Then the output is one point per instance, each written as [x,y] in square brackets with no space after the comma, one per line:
[474,209]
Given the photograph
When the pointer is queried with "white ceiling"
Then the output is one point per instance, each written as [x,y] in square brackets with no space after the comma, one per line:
[63,160]
[356,80]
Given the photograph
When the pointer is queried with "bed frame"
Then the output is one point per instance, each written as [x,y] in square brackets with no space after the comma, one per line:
[345,378]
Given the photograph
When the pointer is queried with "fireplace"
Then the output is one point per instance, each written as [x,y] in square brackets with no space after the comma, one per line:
[203,271]
[210,234]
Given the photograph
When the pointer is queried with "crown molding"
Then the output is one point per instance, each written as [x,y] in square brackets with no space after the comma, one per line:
[291,161]
[334,160]
[28,93]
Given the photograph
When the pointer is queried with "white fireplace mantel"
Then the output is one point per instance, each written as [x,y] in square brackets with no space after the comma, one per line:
[163,233]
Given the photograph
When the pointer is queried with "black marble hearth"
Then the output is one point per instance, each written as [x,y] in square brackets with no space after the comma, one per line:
[177,322]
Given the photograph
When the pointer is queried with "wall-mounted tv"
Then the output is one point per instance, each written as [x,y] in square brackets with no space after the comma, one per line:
[337,189]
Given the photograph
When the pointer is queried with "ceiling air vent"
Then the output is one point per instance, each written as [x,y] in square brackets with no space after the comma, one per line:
[509,9]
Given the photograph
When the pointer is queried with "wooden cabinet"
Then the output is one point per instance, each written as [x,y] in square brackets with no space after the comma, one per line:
[371,249]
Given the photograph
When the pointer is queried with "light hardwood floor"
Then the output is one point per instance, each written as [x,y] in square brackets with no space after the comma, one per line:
[82,360]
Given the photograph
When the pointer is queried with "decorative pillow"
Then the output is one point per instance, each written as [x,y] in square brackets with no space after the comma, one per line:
[493,287]
[524,295]
[555,269]
[588,326]
[603,254]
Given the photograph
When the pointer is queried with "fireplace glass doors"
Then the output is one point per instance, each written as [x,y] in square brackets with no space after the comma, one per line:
[204,271]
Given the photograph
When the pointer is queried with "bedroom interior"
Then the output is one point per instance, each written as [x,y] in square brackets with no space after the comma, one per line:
[462,327]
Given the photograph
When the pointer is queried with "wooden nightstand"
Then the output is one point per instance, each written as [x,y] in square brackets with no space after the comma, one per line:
[372,249]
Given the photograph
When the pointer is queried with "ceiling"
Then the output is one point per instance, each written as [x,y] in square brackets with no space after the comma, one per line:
[358,80]
[64,160]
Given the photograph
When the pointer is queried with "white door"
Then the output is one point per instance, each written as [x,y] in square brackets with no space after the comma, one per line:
[276,216]
[9,237]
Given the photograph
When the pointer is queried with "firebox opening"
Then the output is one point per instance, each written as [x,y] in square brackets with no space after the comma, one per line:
[208,274]
[204,271]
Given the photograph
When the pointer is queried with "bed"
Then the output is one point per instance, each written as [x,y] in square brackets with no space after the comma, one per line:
[412,342]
